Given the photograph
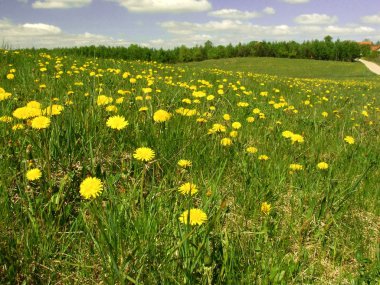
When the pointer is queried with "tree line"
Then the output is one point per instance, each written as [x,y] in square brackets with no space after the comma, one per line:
[326,49]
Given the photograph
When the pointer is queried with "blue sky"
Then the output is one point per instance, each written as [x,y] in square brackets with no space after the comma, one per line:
[170,23]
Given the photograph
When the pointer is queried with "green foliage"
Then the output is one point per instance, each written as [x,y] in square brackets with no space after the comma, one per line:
[316,49]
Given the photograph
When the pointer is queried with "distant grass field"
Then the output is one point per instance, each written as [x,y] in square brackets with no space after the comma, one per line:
[374,59]
[115,172]
[300,68]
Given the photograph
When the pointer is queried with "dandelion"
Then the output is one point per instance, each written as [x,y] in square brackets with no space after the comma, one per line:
[6,119]
[325,114]
[233,134]
[236,125]
[111,108]
[91,187]
[184,163]
[265,208]
[226,142]
[143,109]
[287,134]
[4,95]
[349,140]
[226,117]
[33,174]
[103,100]
[322,165]
[10,76]
[263,157]
[297,138]
[40,122]
[53,110]
[250,119]
[117,122]
[26,113]
[18,127]
[188,188]
[218,128]
[295,167]
[161,116]
[251,149]
[193,216]
[144,154]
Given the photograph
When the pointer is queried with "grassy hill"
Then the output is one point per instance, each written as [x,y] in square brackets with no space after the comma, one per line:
[302,68]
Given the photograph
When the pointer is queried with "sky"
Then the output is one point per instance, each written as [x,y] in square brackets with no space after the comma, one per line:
[171,23]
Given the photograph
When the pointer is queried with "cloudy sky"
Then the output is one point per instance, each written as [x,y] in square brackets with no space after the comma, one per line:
[170,23]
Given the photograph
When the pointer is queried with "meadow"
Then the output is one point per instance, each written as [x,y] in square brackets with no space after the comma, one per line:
[132,172]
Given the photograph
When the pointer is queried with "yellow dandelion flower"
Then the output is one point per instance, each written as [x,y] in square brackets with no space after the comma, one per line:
[233,134]
[143,109]
[103,100]
[236,125]
[6,119]
[265,208]
[218,128]
[287,134]
[111,108]
[188,188]
[40,122]
[226,142]
[33,174]
[325,114]
[263,157]
[144,154]
[117,122]
[91,187]
[250,119]
[53,110]
[18,127]
[184,163]
[256,111]
[297,138]
[227,117]
[10,76]
[322,165]
[161,116]
[193,216]
[349,140]
[119,100]
[26,113]
[4,95]
[295,167]
[251,149]
[34,104]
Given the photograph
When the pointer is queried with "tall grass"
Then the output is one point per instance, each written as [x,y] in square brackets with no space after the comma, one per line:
[323,225]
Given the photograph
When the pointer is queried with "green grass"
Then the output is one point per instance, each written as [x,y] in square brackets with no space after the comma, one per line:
[374,59]
[301,68]
[323,226]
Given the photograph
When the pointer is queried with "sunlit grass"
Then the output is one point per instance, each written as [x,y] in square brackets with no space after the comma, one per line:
[180,174]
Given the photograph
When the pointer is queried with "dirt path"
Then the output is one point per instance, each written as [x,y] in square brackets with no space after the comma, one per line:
[371,66]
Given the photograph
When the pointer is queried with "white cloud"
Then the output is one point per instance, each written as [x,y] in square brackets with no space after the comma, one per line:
[315,19]
[60,4]
[234,31]
[41,29]
[349,30]
[371,19]
[296,1]
[164,6]
[234,14]
[48,36]
[269,11]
